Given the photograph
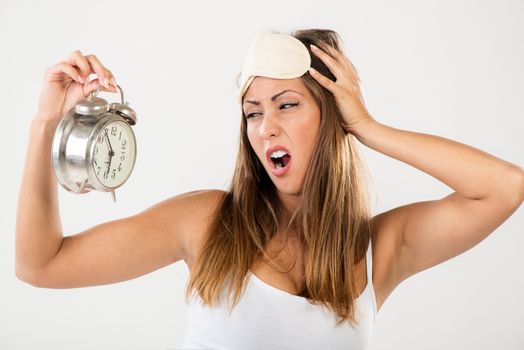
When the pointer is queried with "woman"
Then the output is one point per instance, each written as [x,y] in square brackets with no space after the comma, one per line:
[289,256]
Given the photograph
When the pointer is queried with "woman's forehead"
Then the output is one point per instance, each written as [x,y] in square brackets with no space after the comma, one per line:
[263,88]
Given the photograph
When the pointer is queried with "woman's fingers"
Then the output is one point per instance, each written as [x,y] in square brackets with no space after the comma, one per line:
[323,80]
[77,59]
[67,82]
[339,64]
[105,77]
[346,89]
[343,57]
[56,72]
[78,67]
[93,85]
[329,61]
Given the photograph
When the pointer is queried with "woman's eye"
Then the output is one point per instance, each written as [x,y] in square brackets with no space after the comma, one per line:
[282,105]
[288,104]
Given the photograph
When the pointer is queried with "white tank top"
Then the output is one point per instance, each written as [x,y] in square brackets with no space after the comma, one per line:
[270,318]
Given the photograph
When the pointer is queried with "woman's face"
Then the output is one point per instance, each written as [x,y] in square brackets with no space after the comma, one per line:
[282,112]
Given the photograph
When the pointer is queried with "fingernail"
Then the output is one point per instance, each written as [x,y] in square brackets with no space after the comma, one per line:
[80,79]
[312,70]
[313,47]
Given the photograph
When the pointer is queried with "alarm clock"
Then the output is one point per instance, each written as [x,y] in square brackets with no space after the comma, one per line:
[94,146]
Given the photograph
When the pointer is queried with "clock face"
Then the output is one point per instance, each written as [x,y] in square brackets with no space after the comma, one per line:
[114,154]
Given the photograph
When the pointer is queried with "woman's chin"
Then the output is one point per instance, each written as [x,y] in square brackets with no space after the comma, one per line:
[288,189]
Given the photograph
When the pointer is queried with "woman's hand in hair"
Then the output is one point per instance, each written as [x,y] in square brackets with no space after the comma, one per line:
[67,82]
[346,89]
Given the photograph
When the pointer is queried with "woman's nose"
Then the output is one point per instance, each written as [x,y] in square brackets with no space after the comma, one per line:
[269,126]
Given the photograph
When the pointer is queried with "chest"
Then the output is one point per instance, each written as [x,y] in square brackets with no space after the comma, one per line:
[276,318]
[290,277]
[275,321]
[287,271]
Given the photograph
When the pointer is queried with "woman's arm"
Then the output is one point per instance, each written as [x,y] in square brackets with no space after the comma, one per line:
[487,191]
[471,172]
[109,252]
[420,235]
[38,226]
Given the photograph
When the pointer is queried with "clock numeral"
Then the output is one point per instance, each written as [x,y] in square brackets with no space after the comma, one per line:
[98,172]
[123,156]
[124,142]
[120,167]
[96,150]
[120,137]
[113,174]
[113,130]
[100,138]
[106,173]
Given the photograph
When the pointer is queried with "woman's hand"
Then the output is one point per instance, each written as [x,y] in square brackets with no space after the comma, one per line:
[346,89]
[67,82]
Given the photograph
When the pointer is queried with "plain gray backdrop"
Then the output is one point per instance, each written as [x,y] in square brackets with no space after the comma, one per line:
[448,68]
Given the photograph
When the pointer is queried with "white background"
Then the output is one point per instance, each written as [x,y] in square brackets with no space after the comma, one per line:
[448,68]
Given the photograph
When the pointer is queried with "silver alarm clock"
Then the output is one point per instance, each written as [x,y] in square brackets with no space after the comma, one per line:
[94,147]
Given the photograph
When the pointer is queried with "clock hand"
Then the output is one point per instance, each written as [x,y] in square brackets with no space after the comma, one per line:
[109,166]
[111,153]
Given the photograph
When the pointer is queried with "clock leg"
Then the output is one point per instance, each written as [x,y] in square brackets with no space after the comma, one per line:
[81,187]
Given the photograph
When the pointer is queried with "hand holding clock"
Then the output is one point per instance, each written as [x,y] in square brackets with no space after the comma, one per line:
[67,82]
[63,98]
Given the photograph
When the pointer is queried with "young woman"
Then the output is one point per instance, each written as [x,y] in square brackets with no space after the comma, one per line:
[290,255]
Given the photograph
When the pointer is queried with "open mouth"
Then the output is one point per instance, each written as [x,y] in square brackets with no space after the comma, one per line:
[281,162]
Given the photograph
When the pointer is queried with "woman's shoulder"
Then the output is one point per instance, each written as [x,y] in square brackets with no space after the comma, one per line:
[198,208]
[204,198]
[197,202]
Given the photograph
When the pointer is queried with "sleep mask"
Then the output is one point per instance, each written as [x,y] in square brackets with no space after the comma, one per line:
[278,56]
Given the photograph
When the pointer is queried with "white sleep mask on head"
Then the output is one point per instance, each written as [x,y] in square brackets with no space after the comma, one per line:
[274,55]
[278,56]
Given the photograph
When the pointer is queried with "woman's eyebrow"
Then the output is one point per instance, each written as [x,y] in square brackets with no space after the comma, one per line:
[272,98]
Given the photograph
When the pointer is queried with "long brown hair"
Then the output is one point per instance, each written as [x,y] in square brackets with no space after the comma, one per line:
[332,219]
